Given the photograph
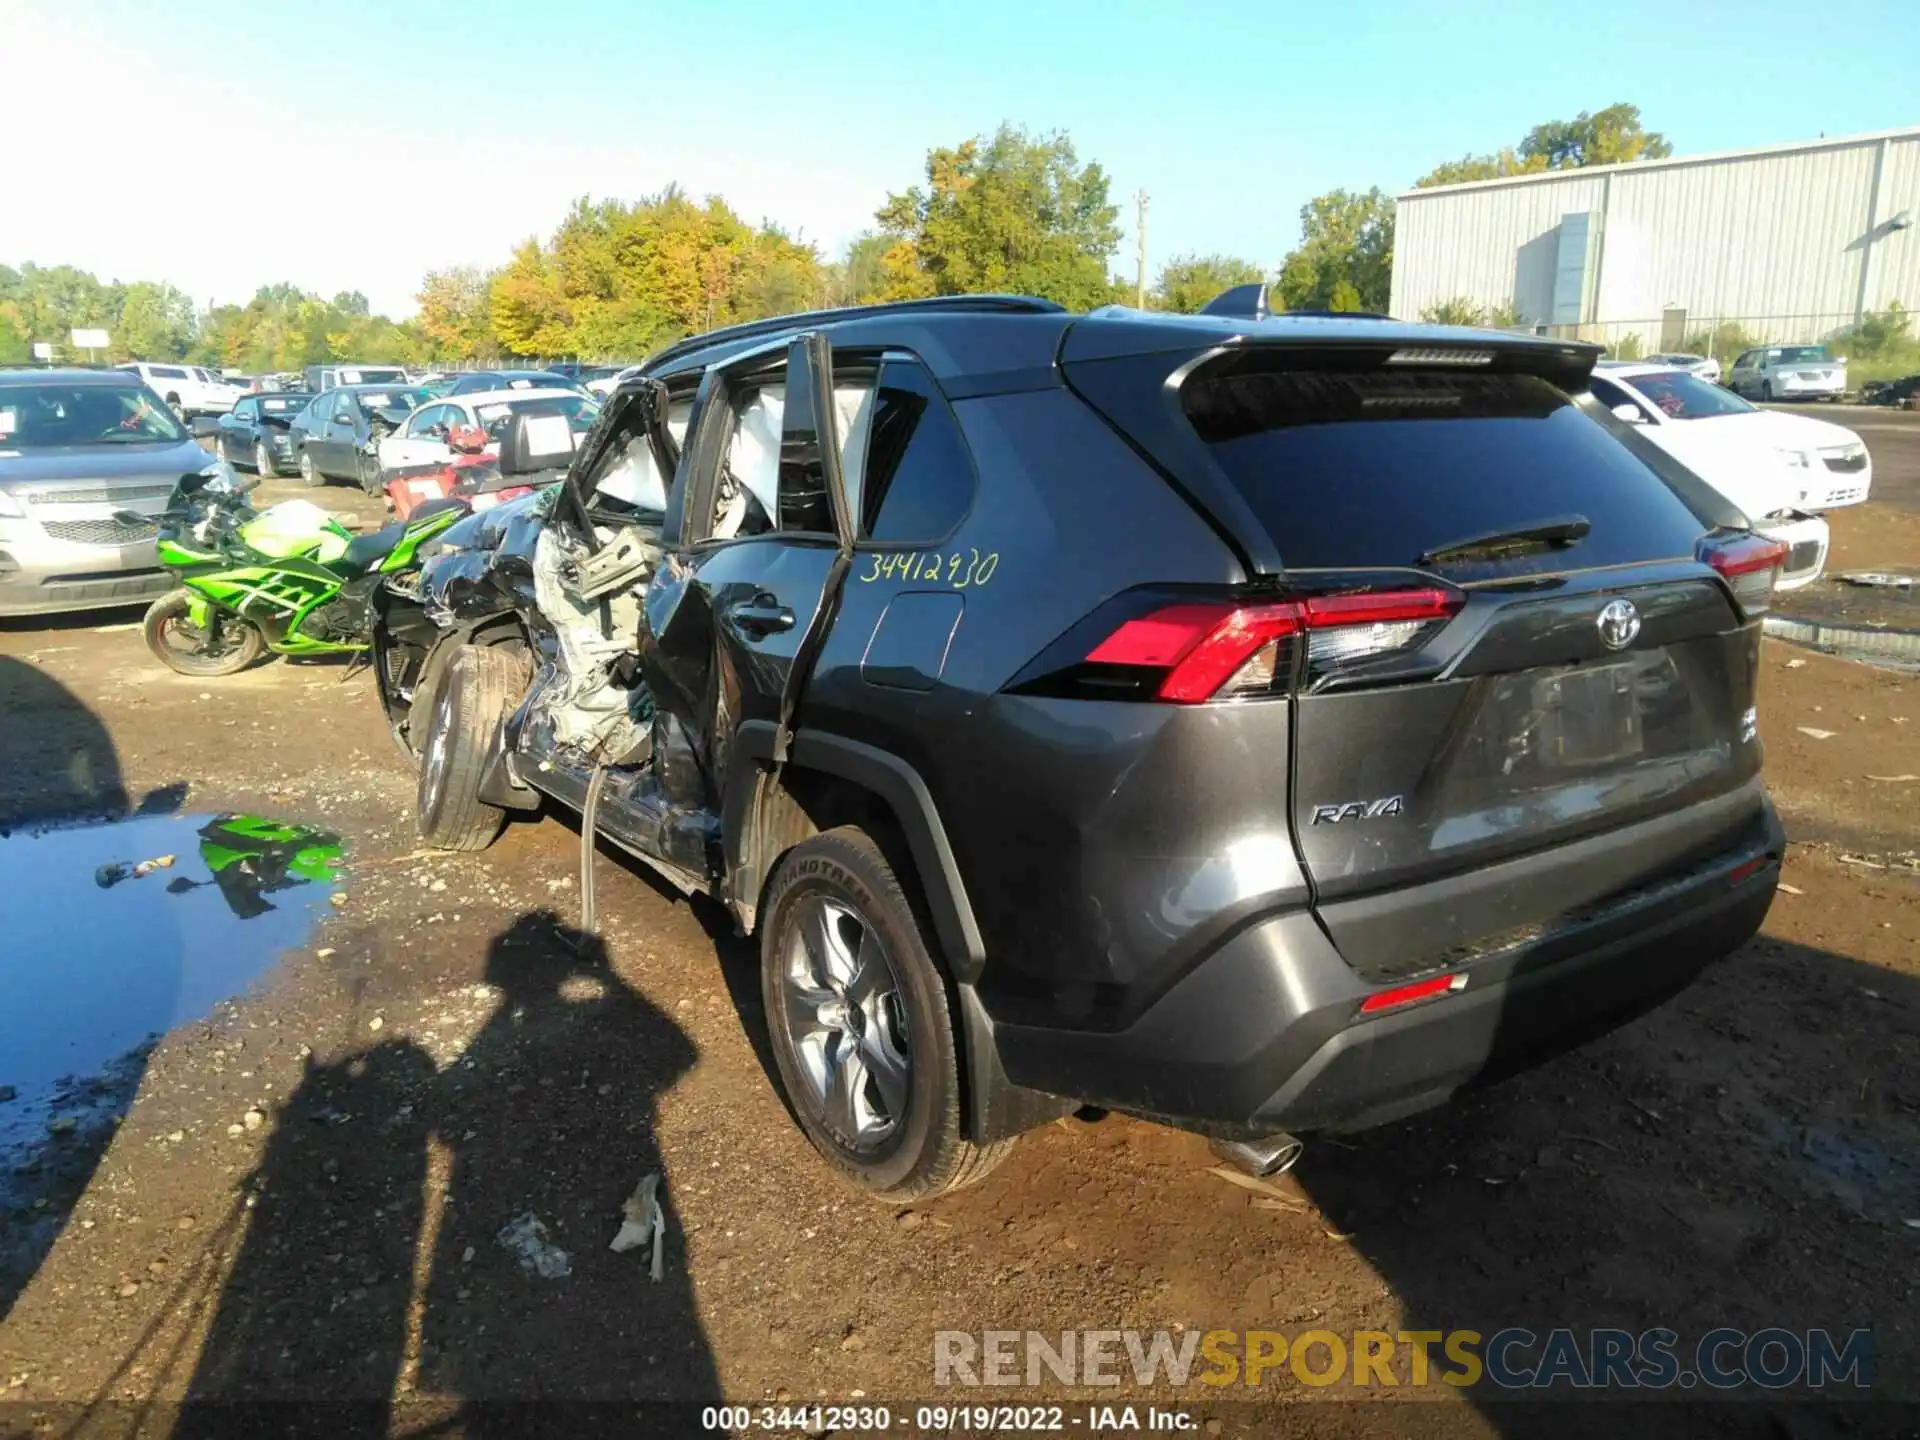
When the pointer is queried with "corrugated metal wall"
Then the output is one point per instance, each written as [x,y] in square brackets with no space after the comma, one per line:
[1760,234]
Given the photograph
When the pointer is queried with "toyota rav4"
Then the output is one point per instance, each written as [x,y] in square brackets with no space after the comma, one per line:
[1264,724]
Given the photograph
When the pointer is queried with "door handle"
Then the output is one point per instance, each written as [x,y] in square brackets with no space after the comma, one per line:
[762,615]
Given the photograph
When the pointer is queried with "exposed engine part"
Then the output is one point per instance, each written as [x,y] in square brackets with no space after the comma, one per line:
[626,559]
[593,712]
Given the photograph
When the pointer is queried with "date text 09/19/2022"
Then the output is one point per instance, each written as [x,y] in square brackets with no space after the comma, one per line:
[941,1419]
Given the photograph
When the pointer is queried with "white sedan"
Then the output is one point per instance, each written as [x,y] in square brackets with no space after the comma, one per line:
[1705,366]
[1727,443]
[422,440]
[1829,464]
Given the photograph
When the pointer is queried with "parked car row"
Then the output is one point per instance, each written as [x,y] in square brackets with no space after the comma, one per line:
[363,431]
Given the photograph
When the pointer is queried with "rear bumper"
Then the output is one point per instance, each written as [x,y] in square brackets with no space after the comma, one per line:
[40,575]
[1266,1033]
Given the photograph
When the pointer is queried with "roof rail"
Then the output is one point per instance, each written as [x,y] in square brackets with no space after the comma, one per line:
[805,319]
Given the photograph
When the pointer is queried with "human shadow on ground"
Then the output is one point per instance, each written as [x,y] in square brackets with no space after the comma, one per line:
[379,1280]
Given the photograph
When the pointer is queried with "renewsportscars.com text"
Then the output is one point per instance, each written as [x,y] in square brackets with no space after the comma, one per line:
[1513,1358]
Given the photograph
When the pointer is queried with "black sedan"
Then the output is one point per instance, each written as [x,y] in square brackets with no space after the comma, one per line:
[258,431]
[338,434]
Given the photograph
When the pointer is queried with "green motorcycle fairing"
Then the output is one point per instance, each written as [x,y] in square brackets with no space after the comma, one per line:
[295,547]
[251,857]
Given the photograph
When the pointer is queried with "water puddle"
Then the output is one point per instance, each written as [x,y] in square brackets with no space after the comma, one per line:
[114,934]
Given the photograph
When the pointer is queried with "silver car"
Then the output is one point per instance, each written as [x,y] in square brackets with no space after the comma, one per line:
[1789,372]
[87,461]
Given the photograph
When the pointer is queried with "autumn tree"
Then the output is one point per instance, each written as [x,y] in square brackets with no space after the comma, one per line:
[454,315]
[1013,213]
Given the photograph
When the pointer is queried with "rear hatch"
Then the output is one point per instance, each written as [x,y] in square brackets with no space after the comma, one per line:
[1498,615]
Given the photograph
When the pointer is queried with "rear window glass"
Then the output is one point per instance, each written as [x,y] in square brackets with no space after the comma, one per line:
[1379,467]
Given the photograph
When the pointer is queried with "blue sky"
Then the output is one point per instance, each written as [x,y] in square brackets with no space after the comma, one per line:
[357,143]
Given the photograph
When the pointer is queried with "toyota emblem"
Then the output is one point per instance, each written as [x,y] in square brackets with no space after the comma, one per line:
[1619,623]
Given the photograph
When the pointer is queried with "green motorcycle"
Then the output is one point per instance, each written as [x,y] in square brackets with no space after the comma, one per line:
[251,857]
[289,579]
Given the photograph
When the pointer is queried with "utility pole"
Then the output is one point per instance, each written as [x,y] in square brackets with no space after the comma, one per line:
[1140,226]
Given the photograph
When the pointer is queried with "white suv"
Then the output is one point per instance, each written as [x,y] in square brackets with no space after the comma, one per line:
[189,389]
[1789,372]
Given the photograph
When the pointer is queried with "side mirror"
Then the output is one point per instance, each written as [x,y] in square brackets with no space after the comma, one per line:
[1629,413]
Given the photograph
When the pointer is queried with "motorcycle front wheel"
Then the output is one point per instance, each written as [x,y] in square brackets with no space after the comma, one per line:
[226,645]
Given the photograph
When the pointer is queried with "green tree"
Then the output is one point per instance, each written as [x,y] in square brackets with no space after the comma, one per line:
[1187,282]
[1602,137]
[155,321]
[860,277]
[1345,257]
[1458,310]
[1611,136]
[1014,212]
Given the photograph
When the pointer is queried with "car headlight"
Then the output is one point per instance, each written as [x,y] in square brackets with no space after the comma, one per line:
[11,508]
[1855,451]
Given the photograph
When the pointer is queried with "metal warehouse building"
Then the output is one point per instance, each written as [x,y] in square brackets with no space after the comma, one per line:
[1790,242]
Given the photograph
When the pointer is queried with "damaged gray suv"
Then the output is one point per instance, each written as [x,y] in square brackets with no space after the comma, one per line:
[1267,725]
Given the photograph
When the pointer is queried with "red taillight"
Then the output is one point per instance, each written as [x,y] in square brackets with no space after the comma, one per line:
[1406,994]
[1747,869]
[1750,564]
[1212,650]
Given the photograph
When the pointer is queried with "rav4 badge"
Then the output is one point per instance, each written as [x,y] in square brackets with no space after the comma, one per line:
[1359,810]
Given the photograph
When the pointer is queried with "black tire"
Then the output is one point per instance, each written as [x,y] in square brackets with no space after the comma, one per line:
[229,645]
[480,686]
[925,1151]
[370,474]
[263,461]
[1766,391]
[179,410]
[310,476]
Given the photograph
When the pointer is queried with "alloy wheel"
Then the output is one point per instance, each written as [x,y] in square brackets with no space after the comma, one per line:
[847,1023]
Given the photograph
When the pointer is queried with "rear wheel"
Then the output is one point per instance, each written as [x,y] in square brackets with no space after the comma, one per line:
[263,461]
[862,1030]
[470,701]
[179,410]
[226,645]
[370,474]
[310,475]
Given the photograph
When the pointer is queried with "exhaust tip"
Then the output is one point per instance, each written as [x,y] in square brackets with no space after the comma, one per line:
[1269,1155]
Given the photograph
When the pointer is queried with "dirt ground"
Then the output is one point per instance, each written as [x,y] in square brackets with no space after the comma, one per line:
[302,1199]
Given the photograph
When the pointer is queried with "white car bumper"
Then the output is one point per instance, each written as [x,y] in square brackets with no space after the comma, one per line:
[1806,538]
[1824,487]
